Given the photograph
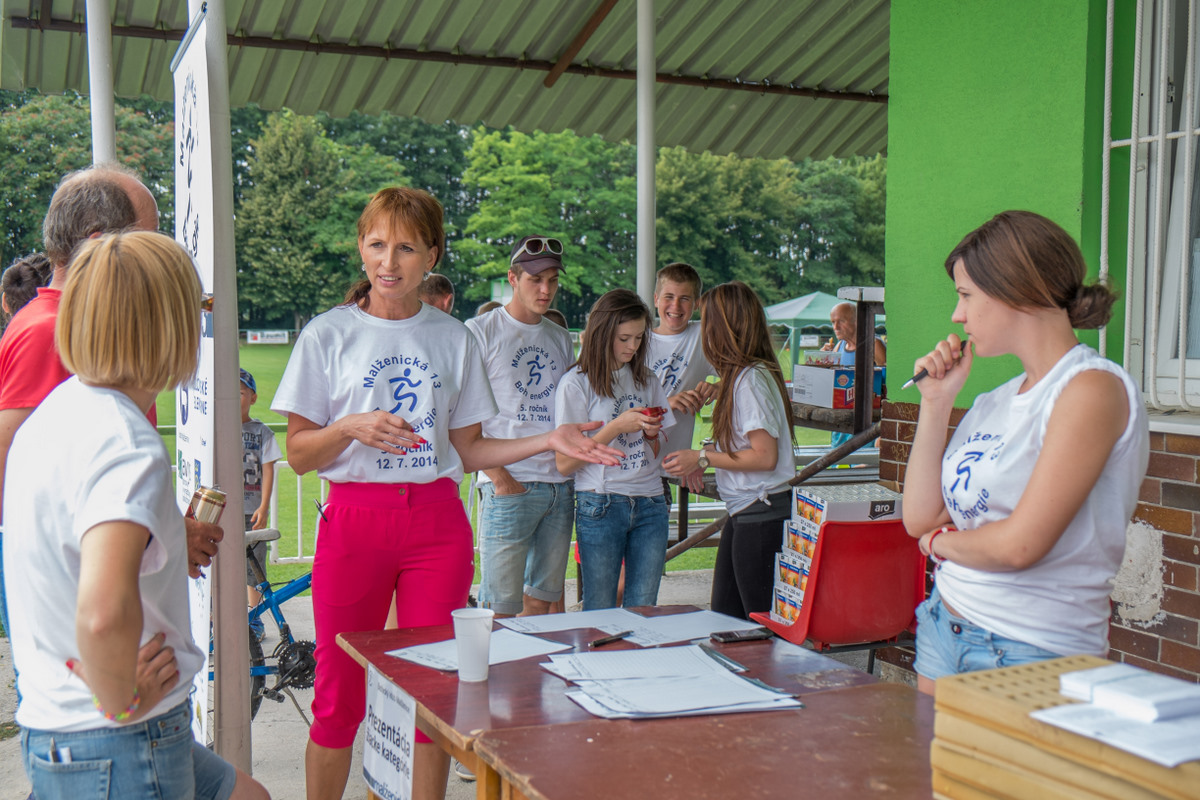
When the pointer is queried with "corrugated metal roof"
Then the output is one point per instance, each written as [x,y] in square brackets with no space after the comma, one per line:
[770,78]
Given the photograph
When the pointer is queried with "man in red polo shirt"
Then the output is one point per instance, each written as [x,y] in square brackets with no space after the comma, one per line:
[101,199]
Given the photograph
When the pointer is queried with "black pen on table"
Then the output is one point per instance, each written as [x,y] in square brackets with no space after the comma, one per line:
[616,637]
[962,348]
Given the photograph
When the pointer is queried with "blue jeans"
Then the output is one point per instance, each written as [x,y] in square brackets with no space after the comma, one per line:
[612,528]
[948,644]
[524,542]
[155,759]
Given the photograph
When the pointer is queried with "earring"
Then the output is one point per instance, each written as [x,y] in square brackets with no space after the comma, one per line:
[364,267]
[426,277]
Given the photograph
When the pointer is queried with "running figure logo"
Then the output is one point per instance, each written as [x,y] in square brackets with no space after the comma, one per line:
[964,470]
[670,378]
[398,393]
[536,367]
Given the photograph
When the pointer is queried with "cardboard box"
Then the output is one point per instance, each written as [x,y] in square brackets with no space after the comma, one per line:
[830,387]
[862,502]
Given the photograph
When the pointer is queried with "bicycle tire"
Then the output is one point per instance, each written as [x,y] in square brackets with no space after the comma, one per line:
[257,683]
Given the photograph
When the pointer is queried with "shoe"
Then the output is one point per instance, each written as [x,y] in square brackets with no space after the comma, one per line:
[463,772]
[257,630]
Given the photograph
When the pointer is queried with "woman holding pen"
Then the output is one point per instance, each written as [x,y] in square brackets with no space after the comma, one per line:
[1024,511]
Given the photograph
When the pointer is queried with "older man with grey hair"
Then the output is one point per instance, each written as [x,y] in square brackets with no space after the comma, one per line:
[101,199]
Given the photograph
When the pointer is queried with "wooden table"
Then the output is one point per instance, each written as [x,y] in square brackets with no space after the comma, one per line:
[864,741]
[520,694]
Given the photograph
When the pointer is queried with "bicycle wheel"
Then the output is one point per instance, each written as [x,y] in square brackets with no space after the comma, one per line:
[257,683]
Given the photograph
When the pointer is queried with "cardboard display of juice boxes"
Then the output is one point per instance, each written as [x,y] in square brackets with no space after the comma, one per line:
[830,387]
[812,507]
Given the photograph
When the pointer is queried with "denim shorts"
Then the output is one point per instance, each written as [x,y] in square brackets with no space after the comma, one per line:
[524,542]
[948,644]
[152,760]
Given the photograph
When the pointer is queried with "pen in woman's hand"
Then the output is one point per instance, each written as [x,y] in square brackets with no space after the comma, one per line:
[962,348]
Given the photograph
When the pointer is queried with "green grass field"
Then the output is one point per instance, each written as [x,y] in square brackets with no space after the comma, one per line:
[266,363]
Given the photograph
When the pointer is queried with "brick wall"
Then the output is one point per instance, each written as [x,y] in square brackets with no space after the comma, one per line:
[1163,637]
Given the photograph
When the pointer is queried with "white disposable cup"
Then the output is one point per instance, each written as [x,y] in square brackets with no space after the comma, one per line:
[473,634]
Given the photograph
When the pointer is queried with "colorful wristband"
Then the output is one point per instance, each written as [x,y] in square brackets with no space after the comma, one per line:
[936,558]
[122,716]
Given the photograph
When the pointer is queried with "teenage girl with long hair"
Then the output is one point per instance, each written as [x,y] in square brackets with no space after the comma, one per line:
[620,512]
[752,430]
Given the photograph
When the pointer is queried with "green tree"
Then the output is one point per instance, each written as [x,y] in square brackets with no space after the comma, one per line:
[581,190]
[47,136]
[433,158]
[295,226]
[841,222]
[729,217]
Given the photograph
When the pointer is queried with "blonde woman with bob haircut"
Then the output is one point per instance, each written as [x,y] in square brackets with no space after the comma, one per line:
[1024,510]
[752,429]
[106,668]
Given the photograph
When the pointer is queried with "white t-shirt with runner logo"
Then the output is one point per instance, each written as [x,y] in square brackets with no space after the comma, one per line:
[426,369]
[757,405]
[678,361]
[638,473]
[524,364]
[1061,603]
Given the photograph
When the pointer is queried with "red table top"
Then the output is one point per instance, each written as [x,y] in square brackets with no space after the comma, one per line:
[519,693]
[855,742]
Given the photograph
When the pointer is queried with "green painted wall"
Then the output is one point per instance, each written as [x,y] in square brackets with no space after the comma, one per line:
[992,106]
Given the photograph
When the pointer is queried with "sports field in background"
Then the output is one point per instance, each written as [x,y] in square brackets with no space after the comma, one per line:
[266,362]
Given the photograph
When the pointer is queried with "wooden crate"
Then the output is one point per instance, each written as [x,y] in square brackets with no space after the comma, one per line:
[985,740]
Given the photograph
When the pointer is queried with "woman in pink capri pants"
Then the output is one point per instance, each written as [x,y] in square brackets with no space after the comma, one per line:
[384,398]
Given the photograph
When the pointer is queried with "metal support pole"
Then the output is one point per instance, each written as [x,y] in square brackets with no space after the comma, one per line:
[100,82]
[645,150]
[231,739]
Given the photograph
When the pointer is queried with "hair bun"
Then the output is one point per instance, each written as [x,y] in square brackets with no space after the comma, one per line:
[1092,306]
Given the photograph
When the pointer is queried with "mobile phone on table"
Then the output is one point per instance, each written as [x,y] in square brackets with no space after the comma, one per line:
[748,635]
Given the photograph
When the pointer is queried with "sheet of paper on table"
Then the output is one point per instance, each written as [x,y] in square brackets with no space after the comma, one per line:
[716,693]
[505,646]
[658,662]
[609,620]
[1170,742]
[672,628]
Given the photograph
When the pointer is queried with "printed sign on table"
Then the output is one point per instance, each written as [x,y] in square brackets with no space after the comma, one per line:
[391,732]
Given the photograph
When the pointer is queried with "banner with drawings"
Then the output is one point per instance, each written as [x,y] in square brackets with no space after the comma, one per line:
[194,230]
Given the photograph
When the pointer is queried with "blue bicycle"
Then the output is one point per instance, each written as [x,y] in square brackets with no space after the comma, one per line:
[292,664]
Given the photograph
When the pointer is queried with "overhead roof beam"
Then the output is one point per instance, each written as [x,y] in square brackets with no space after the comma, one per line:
[764,87]
[580,40]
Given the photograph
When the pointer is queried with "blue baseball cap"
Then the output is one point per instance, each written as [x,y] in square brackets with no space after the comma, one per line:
[247,380]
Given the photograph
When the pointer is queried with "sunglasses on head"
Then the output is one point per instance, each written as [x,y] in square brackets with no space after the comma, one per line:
[536,245]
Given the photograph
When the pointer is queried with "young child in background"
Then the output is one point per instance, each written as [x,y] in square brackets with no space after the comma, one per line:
[260,451]
[620,512]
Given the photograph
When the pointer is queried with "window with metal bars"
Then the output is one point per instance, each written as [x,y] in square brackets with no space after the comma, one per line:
[1158,144]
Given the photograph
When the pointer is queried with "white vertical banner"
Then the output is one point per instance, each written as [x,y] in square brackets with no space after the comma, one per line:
[194,413]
